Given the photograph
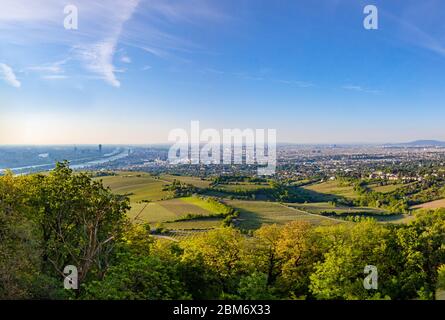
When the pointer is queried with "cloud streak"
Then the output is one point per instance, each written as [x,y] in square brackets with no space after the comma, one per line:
[360,89]
[105,26]
[54,77]
[98,58]
[93,45]
[54,67]
[300,84]
[415,31]
[8,75]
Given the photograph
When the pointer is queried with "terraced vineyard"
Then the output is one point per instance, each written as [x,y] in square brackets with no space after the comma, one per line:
[255,213]
[169,210]
[325,207]
[138,186]
[151,202]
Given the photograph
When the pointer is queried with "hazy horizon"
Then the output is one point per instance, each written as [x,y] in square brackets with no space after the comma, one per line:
[170,143]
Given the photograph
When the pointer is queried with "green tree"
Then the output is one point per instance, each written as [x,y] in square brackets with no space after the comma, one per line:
[340,275]
[222,253]
[422,244]
[18,248]
[78,220]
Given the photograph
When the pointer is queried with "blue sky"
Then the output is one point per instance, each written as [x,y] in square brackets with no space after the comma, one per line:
[136,69]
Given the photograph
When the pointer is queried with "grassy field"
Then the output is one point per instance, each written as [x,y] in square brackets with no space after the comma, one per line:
[431,205]
[376,213]
[151,213]
[138,186]
[320,207]
[244,186]
[162,209]
[385,189]
[397,219]
[255,213]
[333,188]
[169,210]
[196,181]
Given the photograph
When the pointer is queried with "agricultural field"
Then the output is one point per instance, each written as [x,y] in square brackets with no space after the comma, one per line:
[159,208]
[243,186]
[333,188]
[137,186]
[173,209]
[255,213]
[385,188]
[380,215]
[396,219]
[151,204]
[318,208]
[431,205]
[196,181]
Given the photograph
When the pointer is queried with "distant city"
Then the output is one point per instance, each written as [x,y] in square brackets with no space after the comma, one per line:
[294,161]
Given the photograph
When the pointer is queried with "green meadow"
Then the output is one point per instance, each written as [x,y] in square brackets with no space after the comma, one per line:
[385,188]
[243,186]
[137,186]
[196,181]
[320,207]
[335,188]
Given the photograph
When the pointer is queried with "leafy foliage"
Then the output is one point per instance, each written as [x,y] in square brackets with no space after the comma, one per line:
[50,221]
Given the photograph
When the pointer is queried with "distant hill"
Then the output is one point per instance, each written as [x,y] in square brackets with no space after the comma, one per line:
[421,143]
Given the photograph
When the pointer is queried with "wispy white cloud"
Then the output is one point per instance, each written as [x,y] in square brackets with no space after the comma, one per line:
[261,76]
[29,11]
[54,77]
[155,51]
[353,88]
[98,58]
[53,67]
[93,45]
[414,29]
[105,26]
[300,84]
[126,59]
[360,89]
[8,75]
